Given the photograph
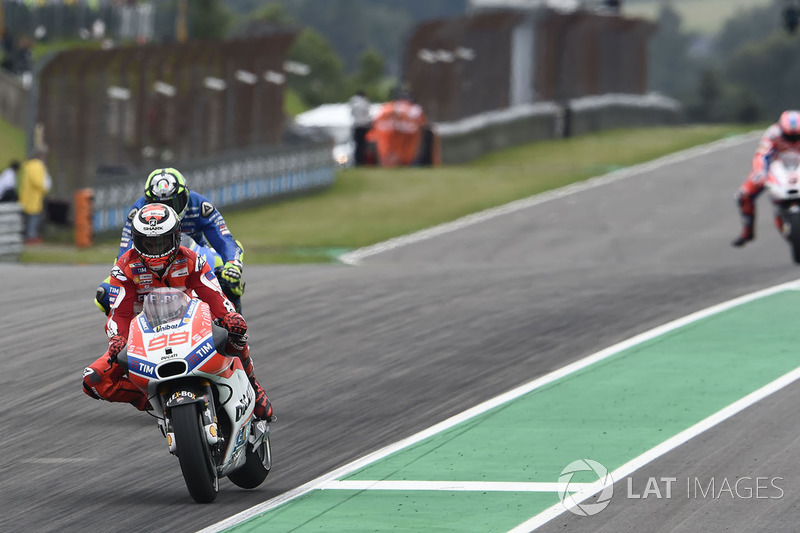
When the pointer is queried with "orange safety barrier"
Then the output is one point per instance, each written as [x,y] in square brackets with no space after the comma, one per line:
[83,200]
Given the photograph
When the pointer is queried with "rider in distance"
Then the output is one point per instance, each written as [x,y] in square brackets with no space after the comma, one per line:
[780,137]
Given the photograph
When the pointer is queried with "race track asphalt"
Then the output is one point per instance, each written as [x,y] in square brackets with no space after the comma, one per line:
[355,358]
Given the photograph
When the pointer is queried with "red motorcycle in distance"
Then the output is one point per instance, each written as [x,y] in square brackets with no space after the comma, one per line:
[783,188]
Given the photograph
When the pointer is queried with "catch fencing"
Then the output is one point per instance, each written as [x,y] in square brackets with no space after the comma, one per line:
[115,112]
[459,67]
[481,62]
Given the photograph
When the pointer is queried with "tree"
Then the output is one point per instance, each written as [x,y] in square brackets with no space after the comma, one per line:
[671,69]
[768,70]
[749,26]
[326,82]
[370,67]
[274,13]
[208,19]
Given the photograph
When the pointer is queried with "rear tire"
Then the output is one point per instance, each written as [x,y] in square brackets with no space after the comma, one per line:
[198,469]
[255,469]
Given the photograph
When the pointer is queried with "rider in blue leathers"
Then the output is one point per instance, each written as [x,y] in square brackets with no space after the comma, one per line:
[200,221]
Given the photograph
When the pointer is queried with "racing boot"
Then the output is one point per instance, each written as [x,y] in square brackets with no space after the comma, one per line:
[746,236]
[748,214]
[263,407]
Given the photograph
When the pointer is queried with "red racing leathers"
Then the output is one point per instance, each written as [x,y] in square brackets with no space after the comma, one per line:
[772,144]
[130,281]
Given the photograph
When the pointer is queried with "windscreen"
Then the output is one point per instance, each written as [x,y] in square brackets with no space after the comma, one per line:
[164,305]
[790,160]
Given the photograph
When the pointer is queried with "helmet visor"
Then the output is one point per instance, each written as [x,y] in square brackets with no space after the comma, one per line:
[156,246]
[177,202]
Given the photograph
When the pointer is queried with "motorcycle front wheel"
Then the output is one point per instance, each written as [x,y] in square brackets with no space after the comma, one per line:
[198,469]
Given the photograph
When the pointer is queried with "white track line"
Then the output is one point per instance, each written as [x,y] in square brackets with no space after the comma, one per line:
[349,468]
[356,256]
[478,486]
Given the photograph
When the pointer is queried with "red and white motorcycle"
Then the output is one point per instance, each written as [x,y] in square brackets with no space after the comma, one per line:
[783,188]
[201,396]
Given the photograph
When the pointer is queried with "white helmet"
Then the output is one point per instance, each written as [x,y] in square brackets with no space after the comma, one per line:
[156,236]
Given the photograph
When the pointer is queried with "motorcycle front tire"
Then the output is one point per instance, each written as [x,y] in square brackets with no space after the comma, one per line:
[197,467]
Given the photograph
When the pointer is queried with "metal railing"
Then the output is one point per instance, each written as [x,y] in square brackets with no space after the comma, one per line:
[239,178]
[10,231]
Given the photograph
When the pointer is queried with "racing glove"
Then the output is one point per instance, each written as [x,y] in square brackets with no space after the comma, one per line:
[231,275]
[237,328]
[115,345]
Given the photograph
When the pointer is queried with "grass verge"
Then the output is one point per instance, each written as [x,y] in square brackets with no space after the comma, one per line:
[369,205]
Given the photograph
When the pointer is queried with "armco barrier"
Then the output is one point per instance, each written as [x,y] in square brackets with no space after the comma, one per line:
[10,231]
[610,111]
[475,136]
[472,137]
[234,179]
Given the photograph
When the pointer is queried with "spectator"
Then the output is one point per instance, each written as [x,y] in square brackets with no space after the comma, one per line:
[34,184]
[362,122]
[22,58]
[8,182]
[7,42]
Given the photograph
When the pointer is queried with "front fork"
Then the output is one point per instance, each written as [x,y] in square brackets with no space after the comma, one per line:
[183,393]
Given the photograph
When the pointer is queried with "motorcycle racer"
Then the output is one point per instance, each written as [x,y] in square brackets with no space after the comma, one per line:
[157,259]
[780,137]
[200,220]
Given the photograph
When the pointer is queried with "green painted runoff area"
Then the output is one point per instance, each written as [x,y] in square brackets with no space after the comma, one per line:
[611,412]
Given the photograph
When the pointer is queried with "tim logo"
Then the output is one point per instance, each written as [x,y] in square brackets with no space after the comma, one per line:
[146,369]
[200,353]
